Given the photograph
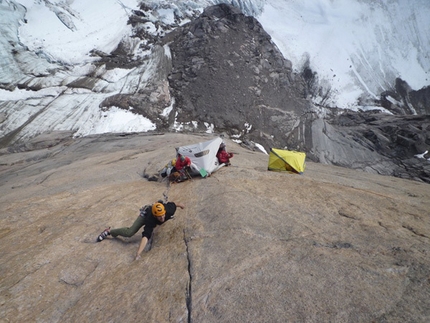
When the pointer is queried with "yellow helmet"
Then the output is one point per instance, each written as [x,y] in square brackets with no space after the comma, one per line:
[173,161]
[158,209]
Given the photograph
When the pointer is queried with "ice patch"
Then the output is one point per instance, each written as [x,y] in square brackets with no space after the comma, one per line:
[259,146]
[118,119]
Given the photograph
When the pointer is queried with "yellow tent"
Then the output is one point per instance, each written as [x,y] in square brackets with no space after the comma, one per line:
[286,160]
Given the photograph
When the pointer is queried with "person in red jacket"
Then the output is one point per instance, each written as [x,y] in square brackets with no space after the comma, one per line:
[182,162]
[181,171]
[223,156]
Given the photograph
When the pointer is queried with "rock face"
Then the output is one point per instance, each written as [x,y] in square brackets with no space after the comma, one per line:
[227,72]
[332,245]
[371,141]
[406,101]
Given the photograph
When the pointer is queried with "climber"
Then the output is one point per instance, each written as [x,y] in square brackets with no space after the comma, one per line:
[150,216]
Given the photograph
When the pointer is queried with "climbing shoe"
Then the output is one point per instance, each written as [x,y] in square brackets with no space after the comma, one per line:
[103,235]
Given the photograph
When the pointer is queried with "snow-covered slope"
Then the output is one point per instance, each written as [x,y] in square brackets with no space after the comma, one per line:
[49,46]
[357,47]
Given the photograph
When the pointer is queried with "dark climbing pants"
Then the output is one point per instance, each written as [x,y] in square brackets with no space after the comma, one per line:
[129,231]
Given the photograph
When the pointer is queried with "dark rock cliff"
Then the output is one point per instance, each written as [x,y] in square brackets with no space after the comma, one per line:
[371,141]
[227,72]
[404,100]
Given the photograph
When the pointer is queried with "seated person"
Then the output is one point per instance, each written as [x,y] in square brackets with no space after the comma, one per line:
[223,156]
[182,162]
[182,166]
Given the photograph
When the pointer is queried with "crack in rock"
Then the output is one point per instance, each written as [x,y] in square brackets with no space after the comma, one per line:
[189,288]
[414,231]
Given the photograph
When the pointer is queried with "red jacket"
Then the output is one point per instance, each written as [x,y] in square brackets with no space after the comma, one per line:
[224,157]
[181,164]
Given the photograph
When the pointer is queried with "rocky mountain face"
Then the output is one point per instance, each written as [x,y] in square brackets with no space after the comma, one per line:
[404,100]
[331,245]
[226,71]
[371,141]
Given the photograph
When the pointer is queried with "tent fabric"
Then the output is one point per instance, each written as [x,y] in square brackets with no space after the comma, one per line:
[286,160]
[203,155]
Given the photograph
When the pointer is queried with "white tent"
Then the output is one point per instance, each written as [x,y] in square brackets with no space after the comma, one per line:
[203,155]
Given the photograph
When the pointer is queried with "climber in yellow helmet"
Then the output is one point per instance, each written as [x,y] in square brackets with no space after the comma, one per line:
[150,216]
